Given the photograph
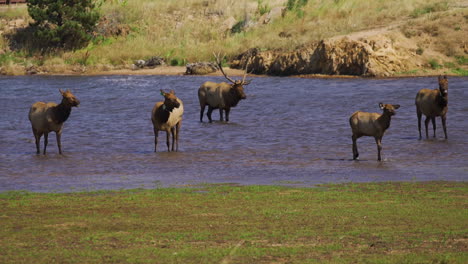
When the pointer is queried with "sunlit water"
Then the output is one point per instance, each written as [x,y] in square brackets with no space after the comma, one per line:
[288,131]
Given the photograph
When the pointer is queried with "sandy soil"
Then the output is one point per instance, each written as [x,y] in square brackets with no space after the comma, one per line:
[163,70]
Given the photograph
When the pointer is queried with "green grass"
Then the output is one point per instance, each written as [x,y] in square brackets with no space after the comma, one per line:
[13,12]
[460,71]
[430,8]
[370,223]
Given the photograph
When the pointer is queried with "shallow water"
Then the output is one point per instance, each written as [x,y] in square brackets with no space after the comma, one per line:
[288,131]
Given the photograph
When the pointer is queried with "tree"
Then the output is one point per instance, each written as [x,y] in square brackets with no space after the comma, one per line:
[63,24]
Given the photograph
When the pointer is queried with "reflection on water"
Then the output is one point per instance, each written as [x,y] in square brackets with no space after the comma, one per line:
[288,131]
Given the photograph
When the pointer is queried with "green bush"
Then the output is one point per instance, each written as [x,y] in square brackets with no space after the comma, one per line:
[263,8]
[62,24]
[434,64]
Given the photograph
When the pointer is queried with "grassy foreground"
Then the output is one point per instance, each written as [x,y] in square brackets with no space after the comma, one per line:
[361,223]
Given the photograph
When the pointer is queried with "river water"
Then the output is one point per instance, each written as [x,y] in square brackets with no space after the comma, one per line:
[289,131]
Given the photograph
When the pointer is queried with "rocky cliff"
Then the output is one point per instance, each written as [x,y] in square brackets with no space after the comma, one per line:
[374,56]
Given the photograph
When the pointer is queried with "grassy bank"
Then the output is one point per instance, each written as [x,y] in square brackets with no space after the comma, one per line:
[363,223]
[190,30]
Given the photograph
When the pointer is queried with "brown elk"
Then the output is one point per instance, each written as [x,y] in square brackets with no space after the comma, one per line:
[433,103]
[48,117]
[222,95]
[371,124]
[167,116]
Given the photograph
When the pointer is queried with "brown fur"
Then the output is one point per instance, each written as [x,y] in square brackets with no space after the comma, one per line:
[167,116]
[220,96]
[371,124]
[433,103]
[48,117]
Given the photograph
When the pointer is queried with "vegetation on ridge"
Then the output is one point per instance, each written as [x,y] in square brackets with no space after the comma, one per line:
[189,30]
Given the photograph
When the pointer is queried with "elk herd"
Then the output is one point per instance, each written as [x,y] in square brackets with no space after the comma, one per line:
[167,115]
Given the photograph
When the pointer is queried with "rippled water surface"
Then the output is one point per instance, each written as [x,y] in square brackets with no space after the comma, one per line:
[288,131]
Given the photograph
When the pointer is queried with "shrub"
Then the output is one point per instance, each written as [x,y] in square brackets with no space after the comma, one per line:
[63,24]
[434,64]
[263,8]
[419,51]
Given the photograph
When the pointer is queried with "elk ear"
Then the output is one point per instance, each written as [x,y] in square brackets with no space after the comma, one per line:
[396,106]
[162,92]
[381,105]
[61,91]
[172,92]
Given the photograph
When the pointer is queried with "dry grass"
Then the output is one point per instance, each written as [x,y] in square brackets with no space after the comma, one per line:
[190,30]
[187,31]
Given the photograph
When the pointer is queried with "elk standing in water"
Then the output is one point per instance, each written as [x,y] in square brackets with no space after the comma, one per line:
[48,117]
[433,103]
[371,124]
[221,96]
[167,116]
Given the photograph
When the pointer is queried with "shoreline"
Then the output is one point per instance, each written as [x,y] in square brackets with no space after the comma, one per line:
[180,71]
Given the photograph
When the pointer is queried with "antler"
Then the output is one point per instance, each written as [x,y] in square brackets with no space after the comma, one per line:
[218,61]
[246,72]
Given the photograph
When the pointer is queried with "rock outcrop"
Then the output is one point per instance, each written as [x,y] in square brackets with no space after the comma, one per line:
[374,56]
[200,68]
[151,63]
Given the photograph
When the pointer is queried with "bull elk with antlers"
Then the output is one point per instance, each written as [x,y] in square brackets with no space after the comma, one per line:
[222,95]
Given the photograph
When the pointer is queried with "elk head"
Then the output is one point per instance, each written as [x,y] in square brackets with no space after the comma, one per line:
[170,100]
[237,85]
[69,99]
[389,108]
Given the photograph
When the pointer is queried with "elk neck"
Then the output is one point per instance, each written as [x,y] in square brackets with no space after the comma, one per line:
[232,98]
[384,120]
[441,100]
[61,112]
[163,113]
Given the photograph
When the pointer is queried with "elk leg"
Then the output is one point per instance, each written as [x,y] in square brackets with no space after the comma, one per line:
[177,134]
[419,114]
[227,114]
[37,136]
[221,114]
[155,139]
[433,125]
[168,137]
[202,111]
[58,135]
[173,132]
[426,123]
[46,141]
[355,149]
[444,118]
[208,114]
[378,141]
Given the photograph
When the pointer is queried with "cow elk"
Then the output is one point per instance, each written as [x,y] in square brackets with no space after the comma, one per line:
[433,103]
[222,95]
[48,117]
[167,116]
[371,124]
